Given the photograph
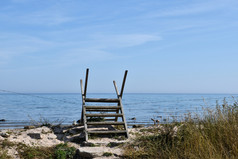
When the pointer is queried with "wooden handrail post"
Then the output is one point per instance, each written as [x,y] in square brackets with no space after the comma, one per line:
[123,83]
[86,83]
[81,85]
[82,93]
[115,85]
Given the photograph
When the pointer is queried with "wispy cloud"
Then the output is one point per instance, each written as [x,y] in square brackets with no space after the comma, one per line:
[123,40]
[84,55]
[52,13]
[62,53]
[16,45]
[49,16]
[187,9]
[97,48]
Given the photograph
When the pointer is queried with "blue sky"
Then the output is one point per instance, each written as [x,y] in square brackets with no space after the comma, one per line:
[173,46]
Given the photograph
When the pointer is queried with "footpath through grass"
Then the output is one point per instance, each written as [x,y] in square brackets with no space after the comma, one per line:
[215,135]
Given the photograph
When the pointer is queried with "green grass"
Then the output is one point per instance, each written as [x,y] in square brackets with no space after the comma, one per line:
[61,151]
[107,154]
[213,136]
[4,144]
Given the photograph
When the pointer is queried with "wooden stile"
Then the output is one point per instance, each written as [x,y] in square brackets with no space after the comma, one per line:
[103,113]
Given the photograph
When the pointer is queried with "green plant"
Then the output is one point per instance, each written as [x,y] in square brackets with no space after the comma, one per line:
[107,154]
[62,151]
[4,155]
[119,137]
[33,152]
[5,144]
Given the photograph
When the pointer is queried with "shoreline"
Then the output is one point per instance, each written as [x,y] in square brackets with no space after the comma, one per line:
[73,136]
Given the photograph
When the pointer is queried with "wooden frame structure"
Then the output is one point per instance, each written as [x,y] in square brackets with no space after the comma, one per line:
[109,115]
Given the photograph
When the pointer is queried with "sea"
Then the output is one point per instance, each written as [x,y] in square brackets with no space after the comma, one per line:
[20,109]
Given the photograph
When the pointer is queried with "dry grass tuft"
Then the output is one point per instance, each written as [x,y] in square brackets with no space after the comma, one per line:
[213,136]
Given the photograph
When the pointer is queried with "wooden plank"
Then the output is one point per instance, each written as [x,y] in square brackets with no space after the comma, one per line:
[118,96]
[85,124]
[105,123]
[104,100]
[81,84]
[123,118]
[83,102]
[102,110]
[102,107]
[104,115]
[115,85]
[86,83]
[123,83]
[107,132]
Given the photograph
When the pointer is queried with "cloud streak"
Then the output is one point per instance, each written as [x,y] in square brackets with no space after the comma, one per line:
[123,40]
[96,48]
[200,7]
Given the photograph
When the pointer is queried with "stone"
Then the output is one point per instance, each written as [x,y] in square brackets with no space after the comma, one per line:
[29,127]
[57,130]
[35,135]
[74,123]
[133,118]
[5,135]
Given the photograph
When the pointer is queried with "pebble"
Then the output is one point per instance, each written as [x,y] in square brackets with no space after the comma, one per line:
[3,134]
[74,123]
[35,135]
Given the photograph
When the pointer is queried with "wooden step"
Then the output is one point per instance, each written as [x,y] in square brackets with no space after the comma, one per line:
[104,115]
[104,100]
[102,110]
[105,123]
[102,107]
[108,132]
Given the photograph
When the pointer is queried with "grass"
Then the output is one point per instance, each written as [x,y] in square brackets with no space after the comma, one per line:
[4,144]
[107,154]
[45,122]
[3,155]
[61,151]
[213,136]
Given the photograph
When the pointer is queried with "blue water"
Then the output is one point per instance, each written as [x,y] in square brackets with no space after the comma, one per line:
[67,107]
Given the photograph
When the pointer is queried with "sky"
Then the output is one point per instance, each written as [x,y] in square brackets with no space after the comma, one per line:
[172,46]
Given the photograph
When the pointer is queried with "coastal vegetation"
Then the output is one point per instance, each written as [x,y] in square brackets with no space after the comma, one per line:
[214,135]
[60,151]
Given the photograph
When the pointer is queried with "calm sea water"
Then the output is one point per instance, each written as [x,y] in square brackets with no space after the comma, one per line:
[20,109]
